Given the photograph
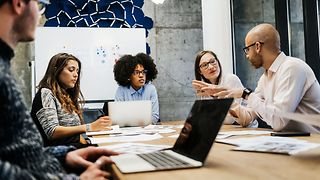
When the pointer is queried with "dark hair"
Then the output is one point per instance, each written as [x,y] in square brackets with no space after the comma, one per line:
[69,98]
[125,66]
[197,73]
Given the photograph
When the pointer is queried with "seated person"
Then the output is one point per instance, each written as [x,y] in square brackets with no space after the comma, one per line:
[208,71]
[288,84]
[134,75]
[56,106]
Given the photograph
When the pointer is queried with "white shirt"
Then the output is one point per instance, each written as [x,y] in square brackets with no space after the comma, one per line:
[230,81]
[289,85]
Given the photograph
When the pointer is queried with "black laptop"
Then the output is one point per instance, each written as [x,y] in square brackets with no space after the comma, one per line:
[192,146]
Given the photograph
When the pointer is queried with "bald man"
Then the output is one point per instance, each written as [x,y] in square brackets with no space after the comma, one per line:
[287,85]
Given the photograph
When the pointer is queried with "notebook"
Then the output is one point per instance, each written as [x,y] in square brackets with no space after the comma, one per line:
[192,146]
[130,113]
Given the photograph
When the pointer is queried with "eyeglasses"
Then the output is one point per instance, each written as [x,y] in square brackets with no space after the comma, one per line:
[246,49]
[42,5]
[212,62]
[137,72]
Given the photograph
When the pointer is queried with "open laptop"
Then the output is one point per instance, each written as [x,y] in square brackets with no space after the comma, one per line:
[130,113]
[192,146]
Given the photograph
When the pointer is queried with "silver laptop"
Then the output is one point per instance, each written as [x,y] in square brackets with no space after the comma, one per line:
[130,113]
[192,146]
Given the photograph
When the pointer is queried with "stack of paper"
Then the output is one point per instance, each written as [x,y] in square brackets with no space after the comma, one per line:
[271,144]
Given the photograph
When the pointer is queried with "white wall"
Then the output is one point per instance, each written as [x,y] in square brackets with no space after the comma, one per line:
[217,33]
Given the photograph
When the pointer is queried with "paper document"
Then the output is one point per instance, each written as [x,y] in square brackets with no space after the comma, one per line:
[248,132]
[125,138]
[151,129]
[135,148]
[271,144]
[290,148]
[114,130]
[255,140]
[313,119]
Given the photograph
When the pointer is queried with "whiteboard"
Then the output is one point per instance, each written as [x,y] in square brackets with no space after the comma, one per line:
[96,48]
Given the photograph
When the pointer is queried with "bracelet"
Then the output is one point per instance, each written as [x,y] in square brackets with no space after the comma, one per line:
[88,127]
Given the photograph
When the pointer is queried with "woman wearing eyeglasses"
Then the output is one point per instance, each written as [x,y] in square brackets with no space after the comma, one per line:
[134,75]
[56,106]
[208,73]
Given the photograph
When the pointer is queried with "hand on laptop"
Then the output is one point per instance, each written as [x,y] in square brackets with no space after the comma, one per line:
[101,124]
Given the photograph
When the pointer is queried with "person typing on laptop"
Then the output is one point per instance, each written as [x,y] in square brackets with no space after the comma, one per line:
[56,106]
[134,75]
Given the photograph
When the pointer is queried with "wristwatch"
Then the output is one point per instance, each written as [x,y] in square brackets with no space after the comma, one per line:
[88,127]
[246,92]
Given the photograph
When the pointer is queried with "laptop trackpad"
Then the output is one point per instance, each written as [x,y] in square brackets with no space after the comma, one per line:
[131,163]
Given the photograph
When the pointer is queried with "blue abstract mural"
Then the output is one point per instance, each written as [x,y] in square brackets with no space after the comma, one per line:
[98,13]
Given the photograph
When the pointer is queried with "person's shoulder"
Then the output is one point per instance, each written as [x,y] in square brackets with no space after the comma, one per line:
[296,65]
[231,77]
[149,85]
[294,62]
[46,93]
[123,88]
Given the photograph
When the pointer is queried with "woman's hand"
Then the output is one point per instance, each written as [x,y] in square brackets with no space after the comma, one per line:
[197,85]
[227,93]
[101,124]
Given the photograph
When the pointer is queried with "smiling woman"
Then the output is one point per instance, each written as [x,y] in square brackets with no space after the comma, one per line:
[56,107]
[208,72]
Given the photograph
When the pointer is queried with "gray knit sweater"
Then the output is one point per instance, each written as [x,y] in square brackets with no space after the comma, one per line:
[22,155]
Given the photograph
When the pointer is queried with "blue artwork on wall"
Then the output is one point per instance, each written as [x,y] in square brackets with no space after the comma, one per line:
[98,13]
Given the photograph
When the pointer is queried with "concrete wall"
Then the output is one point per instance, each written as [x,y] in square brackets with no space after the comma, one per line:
[174,41]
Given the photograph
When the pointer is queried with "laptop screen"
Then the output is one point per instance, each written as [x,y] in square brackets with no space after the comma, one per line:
[201,128]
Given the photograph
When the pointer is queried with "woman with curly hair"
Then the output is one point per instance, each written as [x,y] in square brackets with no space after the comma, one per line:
[56,106]
[134,75]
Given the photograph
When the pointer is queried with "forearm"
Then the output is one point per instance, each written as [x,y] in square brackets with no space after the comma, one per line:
[244,116]
[13,171]
[63,131]
[267,112]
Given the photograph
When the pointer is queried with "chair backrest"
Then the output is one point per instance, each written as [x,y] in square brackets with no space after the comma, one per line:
[105,107]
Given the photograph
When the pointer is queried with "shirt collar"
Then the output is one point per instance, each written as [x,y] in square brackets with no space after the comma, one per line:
[6,52]
[133,91]
[277,63]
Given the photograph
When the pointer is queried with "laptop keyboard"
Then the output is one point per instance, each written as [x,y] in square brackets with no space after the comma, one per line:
[162,160]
